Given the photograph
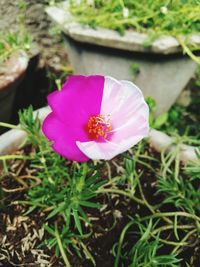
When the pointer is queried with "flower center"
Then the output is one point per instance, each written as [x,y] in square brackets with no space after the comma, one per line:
[99,127]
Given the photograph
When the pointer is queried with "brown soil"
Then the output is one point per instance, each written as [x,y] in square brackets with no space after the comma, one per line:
[20,234]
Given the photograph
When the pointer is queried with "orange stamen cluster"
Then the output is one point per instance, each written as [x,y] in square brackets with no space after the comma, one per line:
[99,126]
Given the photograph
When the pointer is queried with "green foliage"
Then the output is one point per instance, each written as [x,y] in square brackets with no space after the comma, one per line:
[152,107]
[65,235]
[193,169]
[184,193]
[135,69]
[148,233]
[65,191]
[184,121]
[31,125]
[180,121]
[68,193]
[22,5]
[197,80]
[143,15]
[11,42]
[145,251]
[159,120]
[153,17]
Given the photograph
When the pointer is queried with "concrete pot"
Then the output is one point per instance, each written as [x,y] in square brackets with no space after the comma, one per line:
[11,140]
[10,77]
[163,70]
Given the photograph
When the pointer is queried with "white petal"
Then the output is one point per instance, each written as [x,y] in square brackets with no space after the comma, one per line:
[129,113]
[108,150]
[125,104]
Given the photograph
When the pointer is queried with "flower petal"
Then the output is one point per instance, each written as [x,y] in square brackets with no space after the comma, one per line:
[64,140]
[107,150]
[80,98]
[129,113]
[128,110]
[71,110]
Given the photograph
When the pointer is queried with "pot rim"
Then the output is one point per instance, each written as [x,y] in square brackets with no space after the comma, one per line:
[130,41]
[15,68]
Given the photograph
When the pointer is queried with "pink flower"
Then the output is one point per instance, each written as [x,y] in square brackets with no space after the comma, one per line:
[95,117]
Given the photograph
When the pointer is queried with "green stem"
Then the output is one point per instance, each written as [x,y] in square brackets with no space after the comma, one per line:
[121,239]
[111,182]
[144,198]
[62,251]
[184,239]
[150,207]
[109,171]
[187,50]
[7,157]
[5,167]
[177,165]
[171,214]
[8,125]
[168,227]
[172,243]
[29,203]
[87,253]
[121,192]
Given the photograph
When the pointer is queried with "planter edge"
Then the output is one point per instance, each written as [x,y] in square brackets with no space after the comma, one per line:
[161,141]
[12,139]
[130,41]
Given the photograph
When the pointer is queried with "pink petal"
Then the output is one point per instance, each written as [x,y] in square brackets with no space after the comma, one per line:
[64,141]
[79,99]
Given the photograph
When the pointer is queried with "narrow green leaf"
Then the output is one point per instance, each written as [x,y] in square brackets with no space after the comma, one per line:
[160,120]
[77,221]
[147,232]
[48,229]
[90,204]
[175,227]
[55,211]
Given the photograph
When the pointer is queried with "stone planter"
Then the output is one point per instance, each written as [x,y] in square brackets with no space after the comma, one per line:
[163,70]
[10,77]
[15,74]
[11,140]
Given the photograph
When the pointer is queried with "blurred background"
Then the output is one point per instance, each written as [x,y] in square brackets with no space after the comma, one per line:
[27,32]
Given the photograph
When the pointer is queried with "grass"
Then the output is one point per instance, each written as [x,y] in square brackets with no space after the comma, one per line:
[181,17]
[155,18]
[13,41]
[69,194]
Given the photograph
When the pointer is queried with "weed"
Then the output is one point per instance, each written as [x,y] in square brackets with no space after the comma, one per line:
[153,17]
[13,42]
